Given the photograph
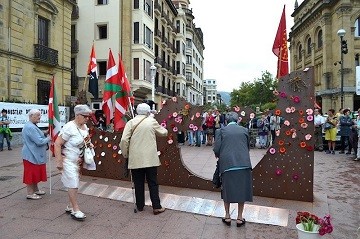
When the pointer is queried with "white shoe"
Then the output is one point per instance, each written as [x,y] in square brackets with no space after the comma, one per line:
[68,209]
[78,215]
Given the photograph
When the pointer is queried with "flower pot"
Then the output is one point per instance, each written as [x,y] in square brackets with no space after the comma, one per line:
[302,234]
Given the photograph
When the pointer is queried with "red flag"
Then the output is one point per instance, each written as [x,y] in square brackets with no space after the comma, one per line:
[280,48]
[122,98]
[112,86]
[54,117]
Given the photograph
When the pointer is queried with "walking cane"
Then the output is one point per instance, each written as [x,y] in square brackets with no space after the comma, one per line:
[133,192]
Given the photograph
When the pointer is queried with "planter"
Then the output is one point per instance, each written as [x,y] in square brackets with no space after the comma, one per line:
[307,235]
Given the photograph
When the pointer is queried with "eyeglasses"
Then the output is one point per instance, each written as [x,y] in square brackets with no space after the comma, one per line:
[85,116]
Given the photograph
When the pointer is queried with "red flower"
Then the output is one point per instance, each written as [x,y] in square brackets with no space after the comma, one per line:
[309,148]
[277,112]
[302,144]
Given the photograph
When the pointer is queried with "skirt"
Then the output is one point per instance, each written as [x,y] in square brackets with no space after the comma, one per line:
[237,186]
[70,176]
[34,173]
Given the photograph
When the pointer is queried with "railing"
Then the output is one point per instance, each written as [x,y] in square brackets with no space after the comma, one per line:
[45,55]
[75,12]
[74,81]
[74,46]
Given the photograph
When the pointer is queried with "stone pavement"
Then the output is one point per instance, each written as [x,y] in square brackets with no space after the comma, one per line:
[336,191]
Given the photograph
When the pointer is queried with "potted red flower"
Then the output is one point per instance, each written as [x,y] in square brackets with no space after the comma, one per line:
[311,226]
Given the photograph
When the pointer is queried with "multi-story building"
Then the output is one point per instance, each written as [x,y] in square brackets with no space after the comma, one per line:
[145,33]
[35,42]
[314,41]
[210,91]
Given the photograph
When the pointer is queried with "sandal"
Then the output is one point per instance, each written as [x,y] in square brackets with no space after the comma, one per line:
[40,192]
[78,215]
[33,196]
[227,221]
[240,222]
[68,209]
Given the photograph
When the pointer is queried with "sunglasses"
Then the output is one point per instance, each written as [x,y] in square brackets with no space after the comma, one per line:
[85,116]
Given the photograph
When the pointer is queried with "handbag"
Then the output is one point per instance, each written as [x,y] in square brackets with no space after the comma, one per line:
[89,155]
[327,126]
[216,177]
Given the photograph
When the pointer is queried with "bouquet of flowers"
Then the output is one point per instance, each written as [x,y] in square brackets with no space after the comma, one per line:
[312,222]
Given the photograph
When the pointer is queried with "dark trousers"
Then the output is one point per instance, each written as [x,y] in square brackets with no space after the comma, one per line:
[345,141]
[7,137]
[273,135]
[318,138]
[138,176]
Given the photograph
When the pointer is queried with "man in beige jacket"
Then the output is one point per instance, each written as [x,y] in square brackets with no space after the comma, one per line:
[138,144]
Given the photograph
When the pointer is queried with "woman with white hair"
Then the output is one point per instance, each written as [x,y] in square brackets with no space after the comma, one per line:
[138,145]
[69,147]
[232,150]
[34,155]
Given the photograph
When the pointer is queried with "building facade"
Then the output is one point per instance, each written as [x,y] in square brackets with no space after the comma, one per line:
[145,33]
[35,44]
[210,91]
[314,41]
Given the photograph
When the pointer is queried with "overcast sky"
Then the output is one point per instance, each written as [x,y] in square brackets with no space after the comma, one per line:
[238,38]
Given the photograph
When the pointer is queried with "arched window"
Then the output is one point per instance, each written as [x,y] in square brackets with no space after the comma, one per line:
[320,39]
[308,46]
[299,52]
[357,27]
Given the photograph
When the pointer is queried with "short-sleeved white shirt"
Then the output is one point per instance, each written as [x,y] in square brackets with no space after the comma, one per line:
[74,139]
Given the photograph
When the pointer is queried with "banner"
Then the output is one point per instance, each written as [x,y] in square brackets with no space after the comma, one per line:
[18,114]
[357,70]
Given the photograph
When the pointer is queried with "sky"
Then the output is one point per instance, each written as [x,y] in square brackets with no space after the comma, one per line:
[238,38]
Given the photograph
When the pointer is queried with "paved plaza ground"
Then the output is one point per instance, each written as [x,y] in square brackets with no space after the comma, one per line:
[336,191]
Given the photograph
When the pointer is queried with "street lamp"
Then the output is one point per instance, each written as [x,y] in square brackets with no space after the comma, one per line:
[343,48]
[152,74]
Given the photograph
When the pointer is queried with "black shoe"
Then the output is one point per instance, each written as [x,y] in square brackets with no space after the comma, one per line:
[9,148]
[240,223]
[328,152]
[227,221]
[341,152]
[333,152]
[140,209]
[348,152]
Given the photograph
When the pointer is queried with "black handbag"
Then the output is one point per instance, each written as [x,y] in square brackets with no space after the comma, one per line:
[216,178]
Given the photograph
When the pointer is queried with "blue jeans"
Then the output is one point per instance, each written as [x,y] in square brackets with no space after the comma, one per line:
[262,140]
[7,137]
[197,136]
[190,134]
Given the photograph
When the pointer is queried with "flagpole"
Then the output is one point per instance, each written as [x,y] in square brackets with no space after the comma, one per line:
[50,165]
[279,63]
[131,108]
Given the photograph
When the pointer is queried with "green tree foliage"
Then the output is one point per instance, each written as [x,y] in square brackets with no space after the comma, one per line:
[257,93]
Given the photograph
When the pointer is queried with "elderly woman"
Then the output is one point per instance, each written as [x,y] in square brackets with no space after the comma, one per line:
[232,150]
[69,147]
[138,144]
[34,155]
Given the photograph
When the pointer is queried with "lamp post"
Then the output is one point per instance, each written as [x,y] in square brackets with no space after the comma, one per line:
[152,74]
[343,49]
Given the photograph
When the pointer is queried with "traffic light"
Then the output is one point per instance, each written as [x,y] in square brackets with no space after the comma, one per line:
[344,48]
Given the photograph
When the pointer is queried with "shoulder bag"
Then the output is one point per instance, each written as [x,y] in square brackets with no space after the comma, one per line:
[89,152]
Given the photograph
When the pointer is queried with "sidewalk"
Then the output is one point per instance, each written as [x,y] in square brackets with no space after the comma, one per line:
[337,191]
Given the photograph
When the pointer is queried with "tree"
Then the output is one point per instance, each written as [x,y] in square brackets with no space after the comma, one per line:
[256,93]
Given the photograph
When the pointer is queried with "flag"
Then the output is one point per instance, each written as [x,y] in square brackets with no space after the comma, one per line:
[93,75]
[280,48]
[54,117]
[111,87]
[122,98]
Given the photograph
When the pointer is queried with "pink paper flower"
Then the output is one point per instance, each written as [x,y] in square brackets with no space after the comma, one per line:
[195,128]
[288,110]
[292,108]
[308,136]
[278,172]
[170,141]
[197,114]
[191,126]
[242,113]
[114,147]
[309,111]
[275,92]
[310,118]
[287,123]
[282,94]
[163,102]
[272,150]
[277,132]
[163,124]
[304,125]
[174,99]
[295,176]
[296,99]
[175,114]
[175,129]
[293,135]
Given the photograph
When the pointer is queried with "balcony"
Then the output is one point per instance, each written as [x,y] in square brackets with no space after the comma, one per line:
[158,62]
[74,46]
[45,55]
[189,80]
[157,8]
[158,35]
[75,13]
[164,42]
[163,17]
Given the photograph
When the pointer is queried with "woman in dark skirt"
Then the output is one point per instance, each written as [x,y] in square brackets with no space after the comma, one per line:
[232,150]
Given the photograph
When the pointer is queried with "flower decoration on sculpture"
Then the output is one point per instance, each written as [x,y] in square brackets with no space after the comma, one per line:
[163,124]
[170,141]
[301,120]
[309,111]
[301,112]
[242,113]
[163,102]
[277,132]
[187,106]
[174,99]
[278,171]
[288,132]
[178,119]
[281,142]
[282,94]
[175,129]
[275,92]
[309,148]
[304,125]
[296,99]
[114,147]
[295,176]
[272,150]
[287,123]
[293,135]
[288,110]
[197,114]
[282,150]
[293,109]
[302,144]
[277,112]
[191,126]
[195,128]
[308,136]
[175,114]
[310,118]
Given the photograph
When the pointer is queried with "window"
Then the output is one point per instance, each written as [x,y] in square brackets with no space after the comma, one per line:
[102,2]
[183,69]
[136,68]
[177,46]
[178,26]
[188,59]
[136,32]
[320,39]
[102,68]
[178,67]
[178,88]
[188,42]
[308,46]
[148,7]
[43,31]
[43,89]
[147,65]
[183,48]
[299,52]
[136,4]
[357,27]
[102,31]
[148,37]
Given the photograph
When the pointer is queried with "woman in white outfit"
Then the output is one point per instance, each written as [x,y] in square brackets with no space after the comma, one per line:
[69,147]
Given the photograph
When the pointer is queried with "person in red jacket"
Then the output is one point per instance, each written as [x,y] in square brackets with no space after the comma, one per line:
[210,121]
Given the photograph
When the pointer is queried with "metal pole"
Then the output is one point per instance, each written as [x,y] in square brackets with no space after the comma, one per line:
[342,75]
[153,91]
